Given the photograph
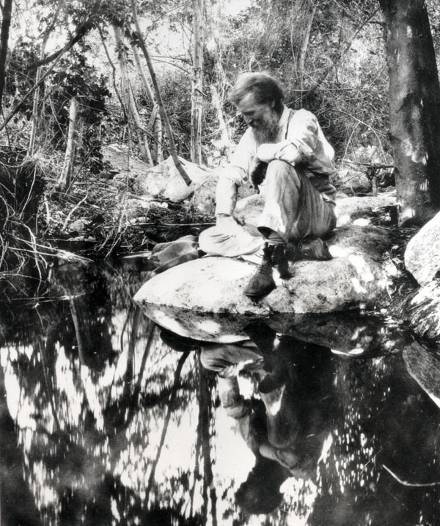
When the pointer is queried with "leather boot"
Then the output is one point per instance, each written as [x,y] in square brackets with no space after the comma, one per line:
[261,283]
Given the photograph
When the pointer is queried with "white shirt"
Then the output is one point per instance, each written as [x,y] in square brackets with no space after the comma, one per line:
[300,140]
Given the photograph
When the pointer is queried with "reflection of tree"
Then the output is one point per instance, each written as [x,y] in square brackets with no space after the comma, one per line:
[89,426]
[205,415]
[17,505]
[99,431]
[119,414]
[170,407]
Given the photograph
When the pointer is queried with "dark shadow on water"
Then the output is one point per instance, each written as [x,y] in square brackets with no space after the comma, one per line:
[106,418]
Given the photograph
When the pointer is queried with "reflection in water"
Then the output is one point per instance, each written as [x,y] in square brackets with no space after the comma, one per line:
[106,419]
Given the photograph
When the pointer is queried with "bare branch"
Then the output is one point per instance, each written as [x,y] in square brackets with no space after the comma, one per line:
[82,30]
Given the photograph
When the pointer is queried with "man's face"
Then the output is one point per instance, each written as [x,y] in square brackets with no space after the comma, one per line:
[262,118]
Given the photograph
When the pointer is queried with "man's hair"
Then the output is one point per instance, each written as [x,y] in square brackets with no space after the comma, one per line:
[264,88]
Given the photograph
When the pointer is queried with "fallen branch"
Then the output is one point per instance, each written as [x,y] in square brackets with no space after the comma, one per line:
[371,165]
[410,484]
[173,224]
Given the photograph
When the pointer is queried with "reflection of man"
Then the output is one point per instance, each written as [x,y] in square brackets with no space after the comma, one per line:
[286,428]
[299,200]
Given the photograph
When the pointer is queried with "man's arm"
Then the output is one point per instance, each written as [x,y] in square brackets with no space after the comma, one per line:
[300,144]
[226,192]
[234,174]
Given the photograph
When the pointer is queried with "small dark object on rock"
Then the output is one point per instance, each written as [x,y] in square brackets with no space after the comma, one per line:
[258,173]
[314,249]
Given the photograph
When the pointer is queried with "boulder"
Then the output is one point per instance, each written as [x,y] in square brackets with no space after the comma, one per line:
[164,180]
[203,198]
[353,181]
[424,366]
[348,209]
[422,254]
[181,297]
[422,311]
[122,161]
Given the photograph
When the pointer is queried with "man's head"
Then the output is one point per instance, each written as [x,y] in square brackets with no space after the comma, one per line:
[259,98]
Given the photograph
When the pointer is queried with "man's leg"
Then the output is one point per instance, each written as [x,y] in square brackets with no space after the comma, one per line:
[293,210]
[281,193]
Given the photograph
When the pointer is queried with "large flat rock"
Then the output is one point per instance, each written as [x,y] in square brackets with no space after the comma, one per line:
[213,286]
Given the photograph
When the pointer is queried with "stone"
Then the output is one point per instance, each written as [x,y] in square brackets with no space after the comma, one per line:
[422,254]
[78,226]
[123,162]
[203,198]
[353,181]
[422,311]
[164,180]
[424,366]
[348,209]
[213,286]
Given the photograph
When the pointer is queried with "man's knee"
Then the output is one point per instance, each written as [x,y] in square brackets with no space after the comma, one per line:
[282,173]
[282,170]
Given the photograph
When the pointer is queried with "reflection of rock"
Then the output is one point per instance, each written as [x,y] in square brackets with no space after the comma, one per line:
[422,255]
[345,332]
[424,366]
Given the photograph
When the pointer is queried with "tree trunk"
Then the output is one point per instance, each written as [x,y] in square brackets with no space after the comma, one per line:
[35,115]
[155,114]
[414,107]
[133,117]
[163,113]
[36,100]
[157,130]
[304,47]
[4,37]
[69,158]
[141,132]
[197,82]
[226,145]
[36,103]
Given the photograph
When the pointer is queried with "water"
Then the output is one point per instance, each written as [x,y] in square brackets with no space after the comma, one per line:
[104,420]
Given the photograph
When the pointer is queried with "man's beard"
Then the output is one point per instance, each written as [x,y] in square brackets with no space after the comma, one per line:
[267,130]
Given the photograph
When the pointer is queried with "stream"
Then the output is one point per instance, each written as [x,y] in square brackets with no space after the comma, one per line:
[106,419]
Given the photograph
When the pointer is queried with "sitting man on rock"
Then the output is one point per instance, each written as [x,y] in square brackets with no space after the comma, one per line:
[285,154]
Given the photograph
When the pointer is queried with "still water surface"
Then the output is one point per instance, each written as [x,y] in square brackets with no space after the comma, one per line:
[107,420]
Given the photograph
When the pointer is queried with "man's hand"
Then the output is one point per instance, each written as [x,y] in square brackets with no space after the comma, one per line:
[268,152]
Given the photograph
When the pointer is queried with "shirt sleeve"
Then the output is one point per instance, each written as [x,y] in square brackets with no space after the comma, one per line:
[235,174]
[300,143]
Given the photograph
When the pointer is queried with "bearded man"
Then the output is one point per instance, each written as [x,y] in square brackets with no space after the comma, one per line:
[286,154]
